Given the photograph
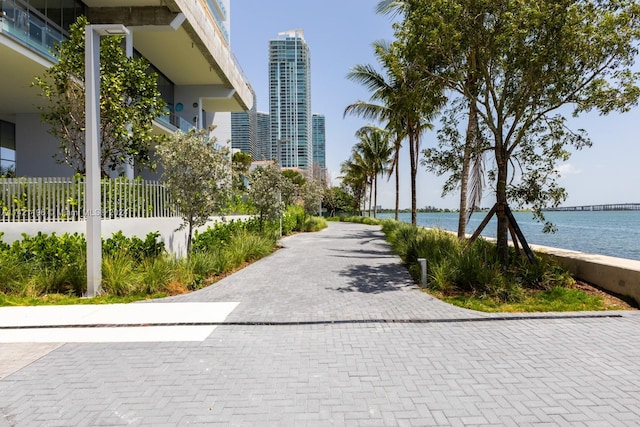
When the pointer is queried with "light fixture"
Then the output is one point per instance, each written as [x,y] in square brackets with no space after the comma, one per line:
[93,211]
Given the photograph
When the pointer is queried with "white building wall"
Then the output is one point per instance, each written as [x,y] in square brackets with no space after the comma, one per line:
[222,123]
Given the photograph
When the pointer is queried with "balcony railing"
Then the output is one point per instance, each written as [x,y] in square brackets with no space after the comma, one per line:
[175,122]
[62,199]
[30,28]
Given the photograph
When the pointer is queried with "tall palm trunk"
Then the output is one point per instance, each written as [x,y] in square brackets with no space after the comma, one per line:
[397,191]
[413,148]
[370,194]
[375,196]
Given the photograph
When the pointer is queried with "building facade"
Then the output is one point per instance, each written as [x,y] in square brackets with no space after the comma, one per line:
[186,43]
[290,100]
[319,142]
[263,136]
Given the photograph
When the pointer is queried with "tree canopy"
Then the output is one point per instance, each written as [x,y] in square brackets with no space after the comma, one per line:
[129,102]
[197,175]
[531,59]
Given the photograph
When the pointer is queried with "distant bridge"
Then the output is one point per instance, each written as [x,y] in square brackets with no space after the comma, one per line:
[610,207]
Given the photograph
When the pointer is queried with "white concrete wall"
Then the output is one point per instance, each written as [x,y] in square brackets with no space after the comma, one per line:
[222,122]
[175,241]
[618,275]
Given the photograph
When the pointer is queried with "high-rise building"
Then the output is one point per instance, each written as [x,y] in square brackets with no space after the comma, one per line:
[290,100]
[263,136]
[244,130]
[319,140]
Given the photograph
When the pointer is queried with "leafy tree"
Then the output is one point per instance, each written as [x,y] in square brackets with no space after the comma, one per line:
[291,185]
[533,58]
[265,186]
[311,193]
[129,102]
[240,164]
[337,199]
[197,175]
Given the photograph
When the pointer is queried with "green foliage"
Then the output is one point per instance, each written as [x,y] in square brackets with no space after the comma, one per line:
[129,102]
[140,250]
[556,299]
[311,193]
[196,173]
[361,220]
[265,190]
[337,200]
[523,64]
[246,247]
[315,223]
[476,271]
[119,275]
[293,219]
[219,235]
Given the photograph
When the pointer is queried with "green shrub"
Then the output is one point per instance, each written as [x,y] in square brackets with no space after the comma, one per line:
[119,276]
[296,212]
[149,248]
[155,274]
[315,223]
[475,270]
[245,246]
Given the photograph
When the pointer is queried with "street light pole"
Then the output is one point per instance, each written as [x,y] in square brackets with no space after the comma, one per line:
[93,211]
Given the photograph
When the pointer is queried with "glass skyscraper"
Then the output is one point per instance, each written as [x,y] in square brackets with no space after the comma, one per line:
[319,153]
[290,100]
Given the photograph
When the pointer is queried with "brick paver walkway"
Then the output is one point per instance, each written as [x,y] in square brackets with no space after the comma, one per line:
[449,367]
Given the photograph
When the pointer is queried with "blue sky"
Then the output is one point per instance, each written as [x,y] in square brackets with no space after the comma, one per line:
[339,35]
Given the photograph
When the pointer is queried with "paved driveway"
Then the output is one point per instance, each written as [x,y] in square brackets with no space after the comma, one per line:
[330,331]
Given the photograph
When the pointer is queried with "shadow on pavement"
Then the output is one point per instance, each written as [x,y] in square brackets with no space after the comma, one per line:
[374,279]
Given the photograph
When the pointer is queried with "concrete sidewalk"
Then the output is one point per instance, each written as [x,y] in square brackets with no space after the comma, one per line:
[317,339]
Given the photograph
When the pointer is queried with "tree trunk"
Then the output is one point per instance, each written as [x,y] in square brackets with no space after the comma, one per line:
[413,147]
[375,196]
[189,238]
[501,201]
[370,194]
[397,190]
[470,139]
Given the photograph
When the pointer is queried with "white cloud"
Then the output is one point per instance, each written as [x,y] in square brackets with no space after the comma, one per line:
[567,169]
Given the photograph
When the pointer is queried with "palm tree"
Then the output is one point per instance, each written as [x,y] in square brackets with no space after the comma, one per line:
[401,100]
[472,174]
[375,149]
[355,176]
[380,107]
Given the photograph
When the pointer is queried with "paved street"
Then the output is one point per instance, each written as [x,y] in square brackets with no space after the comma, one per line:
[330,330]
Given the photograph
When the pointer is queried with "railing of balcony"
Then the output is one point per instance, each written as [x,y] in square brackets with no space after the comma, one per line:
[30,27]
[173,121]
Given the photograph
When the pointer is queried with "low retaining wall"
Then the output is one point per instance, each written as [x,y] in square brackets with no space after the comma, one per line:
[175,241]
[617,275]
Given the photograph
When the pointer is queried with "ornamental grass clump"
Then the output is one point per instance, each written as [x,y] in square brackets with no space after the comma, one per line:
[315,223]
[477,271]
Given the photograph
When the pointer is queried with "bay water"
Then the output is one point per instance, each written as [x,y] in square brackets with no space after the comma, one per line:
[612,233]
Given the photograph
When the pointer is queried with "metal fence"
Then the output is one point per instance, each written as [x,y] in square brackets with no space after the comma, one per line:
[62,199]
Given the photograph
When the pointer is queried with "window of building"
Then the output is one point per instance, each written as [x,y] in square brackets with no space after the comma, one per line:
[7,149]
